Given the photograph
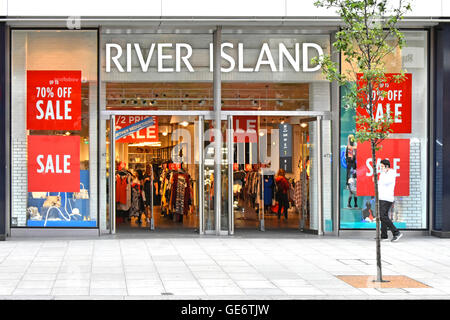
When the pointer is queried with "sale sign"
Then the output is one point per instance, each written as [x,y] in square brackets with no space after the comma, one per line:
[53,100]
[245,129]
[397,151]
[53,163]
[147,129]
[396,102]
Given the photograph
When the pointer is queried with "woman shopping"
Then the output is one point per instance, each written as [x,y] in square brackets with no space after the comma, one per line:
[282,193]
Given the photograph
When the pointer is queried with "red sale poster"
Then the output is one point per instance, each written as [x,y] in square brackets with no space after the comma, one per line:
[53,100]
[397,102]
[148,134]
[53,163]
[245,129]
[397,151]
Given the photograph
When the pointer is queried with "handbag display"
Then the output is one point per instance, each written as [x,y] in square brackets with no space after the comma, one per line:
[52,201]
[39,195]
[33,213]
[83,194]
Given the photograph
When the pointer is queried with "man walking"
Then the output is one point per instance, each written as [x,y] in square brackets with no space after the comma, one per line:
[386,186]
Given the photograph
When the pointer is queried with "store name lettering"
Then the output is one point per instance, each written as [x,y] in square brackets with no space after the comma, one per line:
[180,54]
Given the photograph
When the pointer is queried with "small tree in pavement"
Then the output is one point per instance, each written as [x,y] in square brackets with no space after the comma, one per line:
[368,35]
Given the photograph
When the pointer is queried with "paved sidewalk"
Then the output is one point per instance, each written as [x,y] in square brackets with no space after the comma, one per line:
[217,268]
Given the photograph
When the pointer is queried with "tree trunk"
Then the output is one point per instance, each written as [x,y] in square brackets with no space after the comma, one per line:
[377,210]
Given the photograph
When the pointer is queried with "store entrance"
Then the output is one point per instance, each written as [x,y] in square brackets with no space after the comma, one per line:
[155,178]
[275,172]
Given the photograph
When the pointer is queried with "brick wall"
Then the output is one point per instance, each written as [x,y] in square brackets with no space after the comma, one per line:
[410,209]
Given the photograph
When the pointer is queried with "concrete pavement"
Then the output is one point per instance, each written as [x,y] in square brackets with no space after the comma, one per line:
[240,267]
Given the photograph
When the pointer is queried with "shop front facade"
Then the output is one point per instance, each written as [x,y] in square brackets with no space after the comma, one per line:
[112,130]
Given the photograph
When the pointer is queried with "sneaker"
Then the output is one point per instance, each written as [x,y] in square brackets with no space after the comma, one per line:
[397,237]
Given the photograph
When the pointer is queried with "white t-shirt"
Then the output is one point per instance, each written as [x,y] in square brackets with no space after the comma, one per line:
[386,185]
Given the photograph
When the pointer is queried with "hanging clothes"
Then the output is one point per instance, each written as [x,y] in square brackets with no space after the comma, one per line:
[136,199]
[298,195]
[181,193]
[269,188]
[123,190]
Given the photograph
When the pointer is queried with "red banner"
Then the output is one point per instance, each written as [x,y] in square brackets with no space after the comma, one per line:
[397,151]
[148,134]
[53,163]
[245,129]
[397,102]
[53,100]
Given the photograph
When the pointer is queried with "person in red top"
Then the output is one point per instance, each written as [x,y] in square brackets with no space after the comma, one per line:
[282,193]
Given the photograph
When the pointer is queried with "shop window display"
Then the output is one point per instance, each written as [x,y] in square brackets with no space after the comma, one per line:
[54,94]
[406,147]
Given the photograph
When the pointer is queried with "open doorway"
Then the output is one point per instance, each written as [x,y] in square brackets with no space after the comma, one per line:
[280,146]
[156,181]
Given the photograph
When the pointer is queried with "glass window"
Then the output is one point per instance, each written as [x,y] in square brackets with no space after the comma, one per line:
[357,211]
[53,128]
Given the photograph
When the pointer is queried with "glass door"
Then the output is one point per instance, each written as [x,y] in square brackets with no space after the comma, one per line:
[216,221]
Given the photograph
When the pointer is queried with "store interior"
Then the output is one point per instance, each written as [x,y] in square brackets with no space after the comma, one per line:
[149,183]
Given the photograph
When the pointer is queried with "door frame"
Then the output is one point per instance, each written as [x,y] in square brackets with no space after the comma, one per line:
[206,115]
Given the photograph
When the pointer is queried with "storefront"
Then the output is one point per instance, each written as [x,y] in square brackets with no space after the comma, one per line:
[112,130]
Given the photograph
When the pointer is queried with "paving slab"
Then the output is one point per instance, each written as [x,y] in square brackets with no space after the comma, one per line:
[247,266]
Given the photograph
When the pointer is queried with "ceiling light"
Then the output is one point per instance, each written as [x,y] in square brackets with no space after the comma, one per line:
[184,123]
[303,124]
[261,133]
[164,133]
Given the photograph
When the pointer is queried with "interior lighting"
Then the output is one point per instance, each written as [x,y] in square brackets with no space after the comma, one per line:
[184,123]
[303,124]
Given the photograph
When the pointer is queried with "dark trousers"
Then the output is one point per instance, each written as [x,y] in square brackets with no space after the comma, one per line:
[355,199]
[283,202]
[386,223]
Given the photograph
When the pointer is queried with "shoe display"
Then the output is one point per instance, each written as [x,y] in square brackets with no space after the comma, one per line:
[397,237]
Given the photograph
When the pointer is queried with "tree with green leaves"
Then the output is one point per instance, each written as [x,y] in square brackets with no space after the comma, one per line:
[367,39]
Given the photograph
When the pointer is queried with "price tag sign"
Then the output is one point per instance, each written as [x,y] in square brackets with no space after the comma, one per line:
[53,100]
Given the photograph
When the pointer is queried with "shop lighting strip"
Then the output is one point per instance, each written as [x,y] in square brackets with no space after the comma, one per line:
[107,113]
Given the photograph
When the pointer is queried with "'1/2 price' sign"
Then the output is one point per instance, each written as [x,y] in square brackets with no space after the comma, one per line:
[53,100]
